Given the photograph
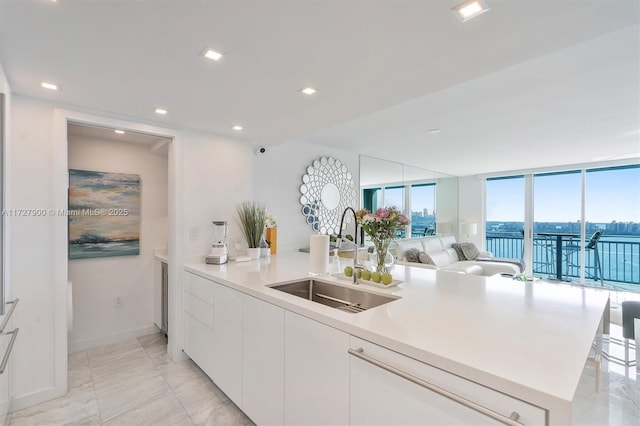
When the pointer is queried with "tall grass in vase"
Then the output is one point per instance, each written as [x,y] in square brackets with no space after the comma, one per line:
[252,217]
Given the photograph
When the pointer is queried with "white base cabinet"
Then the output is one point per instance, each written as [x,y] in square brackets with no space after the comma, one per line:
[282,368]
[383,391]
[263,362]
[198,321]
[227,342]
[316,385]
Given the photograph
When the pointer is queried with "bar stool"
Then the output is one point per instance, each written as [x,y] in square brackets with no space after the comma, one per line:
[544,255]
[592,245]
[630,311]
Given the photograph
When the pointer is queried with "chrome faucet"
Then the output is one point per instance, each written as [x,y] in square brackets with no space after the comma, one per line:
[340,238]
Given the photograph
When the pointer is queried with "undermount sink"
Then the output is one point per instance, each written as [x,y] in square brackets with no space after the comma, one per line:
[336,296]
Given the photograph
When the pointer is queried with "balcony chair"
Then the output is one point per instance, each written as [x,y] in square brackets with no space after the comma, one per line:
[545,261]
[592,245]
[630,311]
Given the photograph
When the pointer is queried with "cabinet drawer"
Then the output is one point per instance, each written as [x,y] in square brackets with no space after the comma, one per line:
[199,287]
[199,343]
[472,392]
[199,309]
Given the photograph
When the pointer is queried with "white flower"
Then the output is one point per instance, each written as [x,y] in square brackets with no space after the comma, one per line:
[270,221]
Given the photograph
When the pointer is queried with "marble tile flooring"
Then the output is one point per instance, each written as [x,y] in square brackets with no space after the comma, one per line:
[135,383]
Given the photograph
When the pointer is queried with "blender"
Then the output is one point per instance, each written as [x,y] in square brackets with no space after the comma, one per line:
[219,253]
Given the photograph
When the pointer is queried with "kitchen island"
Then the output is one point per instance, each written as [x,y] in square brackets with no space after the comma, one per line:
[515,349]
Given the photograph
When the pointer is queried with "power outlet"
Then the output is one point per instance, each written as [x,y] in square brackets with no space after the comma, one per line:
[118,301]
[194,233]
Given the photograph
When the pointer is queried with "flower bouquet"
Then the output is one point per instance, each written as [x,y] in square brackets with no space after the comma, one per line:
[381,228]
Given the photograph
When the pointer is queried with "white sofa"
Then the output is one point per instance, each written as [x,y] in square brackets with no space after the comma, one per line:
[445,257]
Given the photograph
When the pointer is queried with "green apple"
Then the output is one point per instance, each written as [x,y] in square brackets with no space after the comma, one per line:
[359,273]
[366,274]
[376,276]
[387,278]
[348,271]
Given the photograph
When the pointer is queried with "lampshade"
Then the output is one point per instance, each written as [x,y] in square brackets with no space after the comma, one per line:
[469,228]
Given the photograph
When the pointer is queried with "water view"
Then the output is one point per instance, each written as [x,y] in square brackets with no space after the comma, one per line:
[618,254]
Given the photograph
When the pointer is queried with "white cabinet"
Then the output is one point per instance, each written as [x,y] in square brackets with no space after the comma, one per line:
[316,373]
[263,362]
[198,304]
[227,343]
[198,343]
[213,332]
[383,391]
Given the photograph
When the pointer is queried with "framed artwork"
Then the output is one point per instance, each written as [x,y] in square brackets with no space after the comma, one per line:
[104,214]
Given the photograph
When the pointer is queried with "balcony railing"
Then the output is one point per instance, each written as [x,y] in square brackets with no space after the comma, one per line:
[620,258]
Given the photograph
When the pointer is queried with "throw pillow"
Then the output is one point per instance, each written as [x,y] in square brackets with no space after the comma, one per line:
[411,255]
[458,249]
[425,258]
[469,250]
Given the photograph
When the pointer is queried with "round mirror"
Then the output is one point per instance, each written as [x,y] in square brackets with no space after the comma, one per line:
[327,189]
[330,196]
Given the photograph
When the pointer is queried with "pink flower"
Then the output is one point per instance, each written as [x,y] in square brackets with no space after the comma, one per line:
[382,213]
[403,219]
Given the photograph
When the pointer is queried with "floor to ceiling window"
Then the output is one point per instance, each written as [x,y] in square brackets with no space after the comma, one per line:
[557,216]
[417,199]
[612,209]
[423,209]
[505,217]
[578,226]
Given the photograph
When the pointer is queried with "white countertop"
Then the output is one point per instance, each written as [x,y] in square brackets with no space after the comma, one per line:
[161,254]
[529,340]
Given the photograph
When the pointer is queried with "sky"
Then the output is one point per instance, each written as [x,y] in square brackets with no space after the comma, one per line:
[611,195]
[421,197]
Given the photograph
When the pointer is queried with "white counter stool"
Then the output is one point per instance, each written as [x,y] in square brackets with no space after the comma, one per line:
[630,311]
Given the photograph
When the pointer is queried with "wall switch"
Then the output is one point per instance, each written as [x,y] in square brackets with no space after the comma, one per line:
[118,301]
[194,233]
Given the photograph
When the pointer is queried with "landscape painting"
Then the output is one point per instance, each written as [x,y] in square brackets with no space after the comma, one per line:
[104,214]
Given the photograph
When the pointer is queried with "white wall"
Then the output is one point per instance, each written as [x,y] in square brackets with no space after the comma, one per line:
[217,171]
[447,203]
[5,379]
[277,179]
[31,245]
[96,282]
[217,176]
[471,206]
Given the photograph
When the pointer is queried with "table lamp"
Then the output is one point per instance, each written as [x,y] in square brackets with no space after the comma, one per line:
[469,228]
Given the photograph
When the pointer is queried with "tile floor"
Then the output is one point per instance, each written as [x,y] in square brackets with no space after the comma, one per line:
[135,383]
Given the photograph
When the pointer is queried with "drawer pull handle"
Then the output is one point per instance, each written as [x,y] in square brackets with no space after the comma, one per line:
[511,420]
[13,304]
[5,359]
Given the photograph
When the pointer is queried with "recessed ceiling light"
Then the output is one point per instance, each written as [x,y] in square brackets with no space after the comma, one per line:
[211,54]
[161,111]
[308,90]
[470,9]
[237,127]
[49,86]
[434,131]
[120,132]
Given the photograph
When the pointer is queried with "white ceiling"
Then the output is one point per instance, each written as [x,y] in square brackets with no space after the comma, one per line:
[156,144]
[528,84]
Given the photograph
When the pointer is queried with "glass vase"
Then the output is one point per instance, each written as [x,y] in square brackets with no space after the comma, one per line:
[381,259]
[264,247]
